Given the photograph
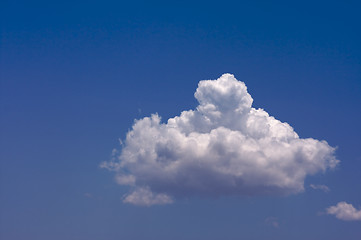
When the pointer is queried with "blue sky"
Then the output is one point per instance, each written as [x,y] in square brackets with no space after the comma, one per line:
[75,75]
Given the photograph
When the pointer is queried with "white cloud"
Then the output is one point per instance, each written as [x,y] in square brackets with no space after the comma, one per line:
[145,197]
[320,187]
[223,147]
[345,211]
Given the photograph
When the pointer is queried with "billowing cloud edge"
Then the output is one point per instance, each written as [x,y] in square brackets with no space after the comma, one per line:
[223,147]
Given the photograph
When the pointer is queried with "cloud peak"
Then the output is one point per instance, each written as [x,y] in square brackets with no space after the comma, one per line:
[223,147]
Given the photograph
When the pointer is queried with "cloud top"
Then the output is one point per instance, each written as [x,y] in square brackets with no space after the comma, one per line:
[223,147]
[345,211]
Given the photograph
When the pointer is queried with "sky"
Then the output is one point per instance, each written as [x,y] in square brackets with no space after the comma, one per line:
[180,120]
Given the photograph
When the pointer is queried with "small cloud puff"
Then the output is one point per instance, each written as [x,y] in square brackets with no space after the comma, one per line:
[320,187]
[345,211]
[223,147]
[145,197]
[272,221]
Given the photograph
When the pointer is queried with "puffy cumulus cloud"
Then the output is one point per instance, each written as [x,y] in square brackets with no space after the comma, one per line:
[223,147]
[320,187]
[345,211]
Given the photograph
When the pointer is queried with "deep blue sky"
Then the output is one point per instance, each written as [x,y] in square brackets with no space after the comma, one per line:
[74,76]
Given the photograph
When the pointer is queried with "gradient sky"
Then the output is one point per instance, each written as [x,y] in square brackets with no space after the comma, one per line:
[75,75]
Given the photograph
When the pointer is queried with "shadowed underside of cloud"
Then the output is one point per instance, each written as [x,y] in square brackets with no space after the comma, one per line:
[345,211]
[223,147]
